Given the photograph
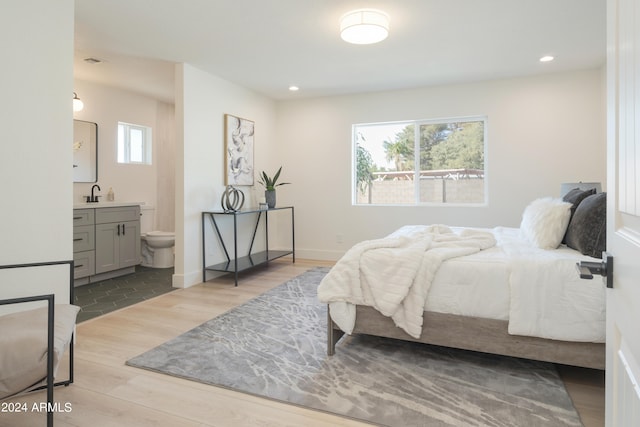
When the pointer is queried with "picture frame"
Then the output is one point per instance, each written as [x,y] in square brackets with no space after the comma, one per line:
[238,150]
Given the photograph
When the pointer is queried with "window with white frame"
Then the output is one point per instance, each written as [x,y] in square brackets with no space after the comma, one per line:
[134,144]
[420,162]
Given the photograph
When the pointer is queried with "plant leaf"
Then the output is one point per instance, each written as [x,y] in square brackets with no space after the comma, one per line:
[265,179]
[275,177]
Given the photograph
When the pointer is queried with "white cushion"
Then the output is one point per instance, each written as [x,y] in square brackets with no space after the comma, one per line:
[545,221]
[23,346]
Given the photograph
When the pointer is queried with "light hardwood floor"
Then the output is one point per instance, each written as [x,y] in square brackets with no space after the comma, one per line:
[106,392]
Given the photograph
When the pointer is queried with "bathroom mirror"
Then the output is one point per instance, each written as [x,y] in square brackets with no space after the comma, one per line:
[85,151]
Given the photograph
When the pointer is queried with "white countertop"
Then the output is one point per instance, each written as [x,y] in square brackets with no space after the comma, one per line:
[102,204]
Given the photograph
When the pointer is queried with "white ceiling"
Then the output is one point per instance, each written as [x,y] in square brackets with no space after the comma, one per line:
[268,45]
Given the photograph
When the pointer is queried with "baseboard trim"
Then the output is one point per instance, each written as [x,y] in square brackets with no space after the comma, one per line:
[104,276]
[186,280]
[319,254]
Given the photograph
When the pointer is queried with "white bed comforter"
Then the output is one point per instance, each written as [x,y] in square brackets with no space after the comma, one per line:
[547,297]
[394,274]
[537,290]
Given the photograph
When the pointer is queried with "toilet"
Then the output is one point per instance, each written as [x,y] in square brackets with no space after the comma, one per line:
[156,246]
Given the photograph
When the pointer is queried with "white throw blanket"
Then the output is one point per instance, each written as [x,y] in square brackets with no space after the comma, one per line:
[382,274]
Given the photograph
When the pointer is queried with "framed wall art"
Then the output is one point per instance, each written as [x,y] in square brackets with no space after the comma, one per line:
[238,146]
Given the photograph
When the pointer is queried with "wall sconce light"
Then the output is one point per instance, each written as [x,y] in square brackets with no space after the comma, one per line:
[78,105]
[364,26]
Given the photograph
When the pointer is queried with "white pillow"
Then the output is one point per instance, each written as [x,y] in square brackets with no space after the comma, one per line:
[545,221]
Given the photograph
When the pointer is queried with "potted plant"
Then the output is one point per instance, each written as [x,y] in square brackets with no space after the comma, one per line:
[270,185]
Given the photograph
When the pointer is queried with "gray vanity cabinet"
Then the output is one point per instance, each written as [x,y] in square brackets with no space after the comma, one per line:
[117,238]
[83,243]
[106,242]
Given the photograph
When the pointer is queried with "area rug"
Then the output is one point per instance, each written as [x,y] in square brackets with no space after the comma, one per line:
[274,346]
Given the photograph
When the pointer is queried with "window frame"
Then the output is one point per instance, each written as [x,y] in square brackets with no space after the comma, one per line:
[416,172]
[147,152]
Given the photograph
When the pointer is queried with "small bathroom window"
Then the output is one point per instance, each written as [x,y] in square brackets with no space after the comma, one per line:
[134,144]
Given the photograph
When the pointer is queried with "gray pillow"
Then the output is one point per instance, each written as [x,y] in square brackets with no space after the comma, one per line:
[587,231]
[577,195]
[574,197]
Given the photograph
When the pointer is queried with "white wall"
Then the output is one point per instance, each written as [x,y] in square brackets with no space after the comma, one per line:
[36,132]
[542,131]
[201,102]
[152,184]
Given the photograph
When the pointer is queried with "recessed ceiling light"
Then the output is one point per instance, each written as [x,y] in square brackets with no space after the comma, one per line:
[364,26]
[547,58]
[294,88]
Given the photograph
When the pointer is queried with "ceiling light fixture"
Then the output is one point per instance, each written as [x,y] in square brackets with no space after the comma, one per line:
[364,26]
[294,88]
[547,58]
[78,105]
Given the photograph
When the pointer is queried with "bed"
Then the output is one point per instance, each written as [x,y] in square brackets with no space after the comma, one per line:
[508,291]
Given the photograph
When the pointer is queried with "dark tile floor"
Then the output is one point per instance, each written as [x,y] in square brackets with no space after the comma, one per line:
[96,299]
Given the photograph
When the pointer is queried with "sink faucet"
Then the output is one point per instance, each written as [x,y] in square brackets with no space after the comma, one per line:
[92,198]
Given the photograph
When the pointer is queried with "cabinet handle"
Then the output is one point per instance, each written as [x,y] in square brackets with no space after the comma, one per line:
[79,266]
[78,239]
[118,229]
[77,217]
[123,229]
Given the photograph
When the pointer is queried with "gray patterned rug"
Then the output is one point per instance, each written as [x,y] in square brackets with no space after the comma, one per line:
[274,346]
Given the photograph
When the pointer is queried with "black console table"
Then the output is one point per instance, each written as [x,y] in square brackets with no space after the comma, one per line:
[241,263]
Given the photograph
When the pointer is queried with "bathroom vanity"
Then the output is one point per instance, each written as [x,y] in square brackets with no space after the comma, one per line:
[106,240]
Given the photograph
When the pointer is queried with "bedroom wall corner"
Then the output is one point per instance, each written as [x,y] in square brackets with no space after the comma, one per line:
[202,100]
[37,132]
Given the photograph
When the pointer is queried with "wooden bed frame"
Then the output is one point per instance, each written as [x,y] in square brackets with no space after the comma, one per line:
[473,333]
